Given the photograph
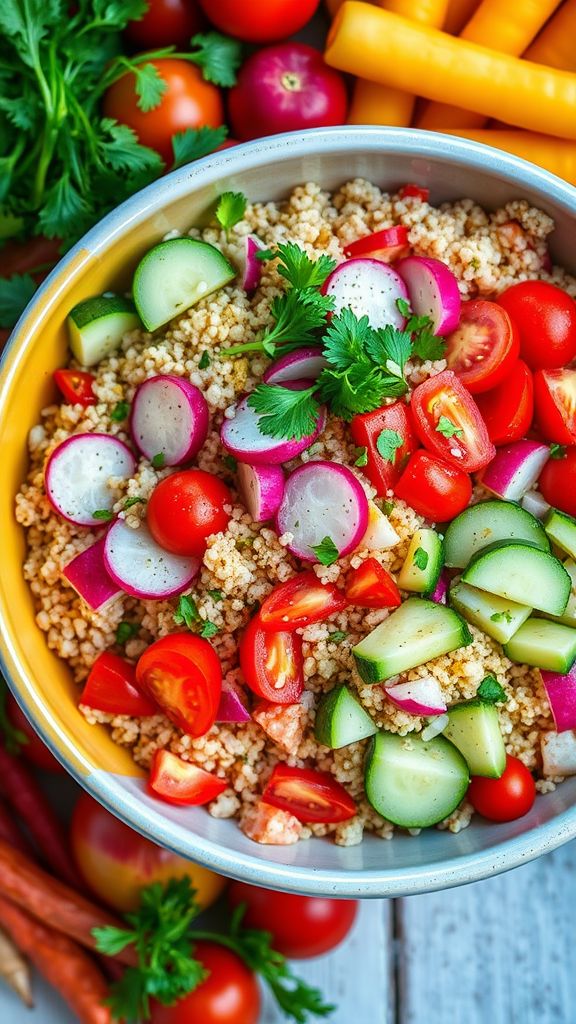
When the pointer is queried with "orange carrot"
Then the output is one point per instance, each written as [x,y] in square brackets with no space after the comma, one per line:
[459,12]
[555,46]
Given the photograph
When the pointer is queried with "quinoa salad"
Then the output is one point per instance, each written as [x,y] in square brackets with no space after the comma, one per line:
[344,360]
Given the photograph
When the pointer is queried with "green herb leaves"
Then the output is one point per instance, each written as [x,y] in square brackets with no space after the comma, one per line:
[285,413]
[296,267]
[193,143]
[230,209]
[326,551]
[158,460]
[187,614]
[447,428]
[15,294]
[420,558]
[125,631]
[557,451]
[490,691]
[218,56]
[388,442]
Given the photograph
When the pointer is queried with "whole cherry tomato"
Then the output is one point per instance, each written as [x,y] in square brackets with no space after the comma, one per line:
[434,487]
[165,23]
[229,995]
[186,508]
[34,750]
[259,21]
[484,347]
[507,798]
[557,481]
[546,319]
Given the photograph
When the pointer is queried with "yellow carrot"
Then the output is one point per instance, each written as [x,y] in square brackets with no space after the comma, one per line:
[556,155]
[556,44]
[393,51]
[503,27]
[459,12]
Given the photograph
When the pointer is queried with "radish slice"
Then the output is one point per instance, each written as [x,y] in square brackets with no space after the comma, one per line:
[534,503]
[561,693]
[169,418]
[261,489]
[141,567]
[435,727]
[418,697]
[515,469]
[322,499]
[303,364]
[440,592]
[558,753]
[369,288]
[78,471]
[244,440]
[87,574]
[249,266]
[380,534]
[433,291]
[232,707]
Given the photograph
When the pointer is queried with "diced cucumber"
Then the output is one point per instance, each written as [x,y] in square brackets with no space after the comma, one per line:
[545,644]
[412,782]
[568,616]
[96,327]
[423,563]
[485,523]
[517,570]
[176,274]
[561,530]
[474,728]
[341,719]
[416,632]
[497,616]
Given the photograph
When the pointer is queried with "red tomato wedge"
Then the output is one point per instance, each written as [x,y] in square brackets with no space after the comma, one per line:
[555,400]
[434,487]
[508,409]
[272,663]
[370,586]
[76,386]
[111,687]
[484,347]
[179,782]
[387,245]
[414,192]
[449,423]
[366,429]
[308,795]
[300,601]
[182,673]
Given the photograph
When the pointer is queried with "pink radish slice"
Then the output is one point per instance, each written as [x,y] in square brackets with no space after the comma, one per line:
[169,418]
[249,266]
[78,471]
[87,574]
[141,567]
[419,697]
[561,693]
[261,489]
[515,469]
[304,364]
[244,440]
[440,592]
[534,503]
[232,707]
[433,291]
[322,499]
[369,288]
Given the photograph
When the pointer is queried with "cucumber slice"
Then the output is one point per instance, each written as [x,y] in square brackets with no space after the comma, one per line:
[517,570]
[561,530]
[474,728]
[418,631]
[545,644]
[423,563]
[341,719]
[497,616]
[96,327]
[176,274]
[412,782]
[568,616]
[485,523]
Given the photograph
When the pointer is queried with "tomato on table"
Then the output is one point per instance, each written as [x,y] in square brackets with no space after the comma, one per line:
[111,687]
[555,401]
[508,409]
[299,602]
[181,672]
[366,429]
[410,191]
[484,347]
[75,386]
[387,245]
[259,21]
[557,481]
[300,926]
[188,102]
[272,663]
[186,508]
[546,319]
[507,798]
[449,424]
[434,487]
[32,749]
[308,794]
[182,783]
[165,23]
[228,995]
[370,586]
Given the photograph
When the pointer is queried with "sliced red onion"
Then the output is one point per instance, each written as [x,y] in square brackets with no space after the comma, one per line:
[435,727]
[369,288]
[249,266]
[561,693]
[261,489]
[322,499]
[77,475]
[418,697]
[536,504]
[303,364]
[141,567]
[559,753]
[244,440]
[170,418]
[87,574]
[515,469]
[232,707]
[440,592]
[433,291]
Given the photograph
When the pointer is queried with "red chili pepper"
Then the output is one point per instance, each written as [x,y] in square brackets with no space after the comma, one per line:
[76,386]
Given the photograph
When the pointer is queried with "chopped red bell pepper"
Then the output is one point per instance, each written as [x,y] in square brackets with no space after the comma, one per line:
[415,192]
[387,245]
[367,427]
[308,794]
[111,687]
[370,586]
[182,783]
[76,386]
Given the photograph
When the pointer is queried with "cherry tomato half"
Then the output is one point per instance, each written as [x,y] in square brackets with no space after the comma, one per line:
[182,783]
[557,482]
[182,673]
[366,429]
[387,245]
[111,687]
[185,509]
[229,994]
[165,23]
[555,400]
[507,798]
[308,794]
[434,487]
[449,423]
[370,586]
[299,602]
[33,750]
[546,319]
[484,347]
[260,21]
[508,409]
[410,191]
[272,663]
[301,926]
[75,386]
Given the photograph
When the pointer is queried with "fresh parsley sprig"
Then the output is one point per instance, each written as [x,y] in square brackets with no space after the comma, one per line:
[425,344]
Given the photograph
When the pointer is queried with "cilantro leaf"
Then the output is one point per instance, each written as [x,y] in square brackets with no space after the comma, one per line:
[120,412]
[388,442]
[283,412]
[218,56]
[501,617]
[186,613]
[428,346]
[193,143]
[361,388]
[361,456]
[337,636]
[388,507]
[64,209]
[298,317]
[557,451]
[158,460]
[148,84]
[15,294]
[216,595]
[125,631]
[230,462]
[299,269]
[230,209]
[490,691]
[390,349]
[130,502]
[420,558]
[104,514]
[208,630]
[204,362]
[326,551]
[345,339]
[118,147]
[447,428]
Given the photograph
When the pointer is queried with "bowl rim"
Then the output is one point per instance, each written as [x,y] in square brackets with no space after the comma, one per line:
[105,788]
